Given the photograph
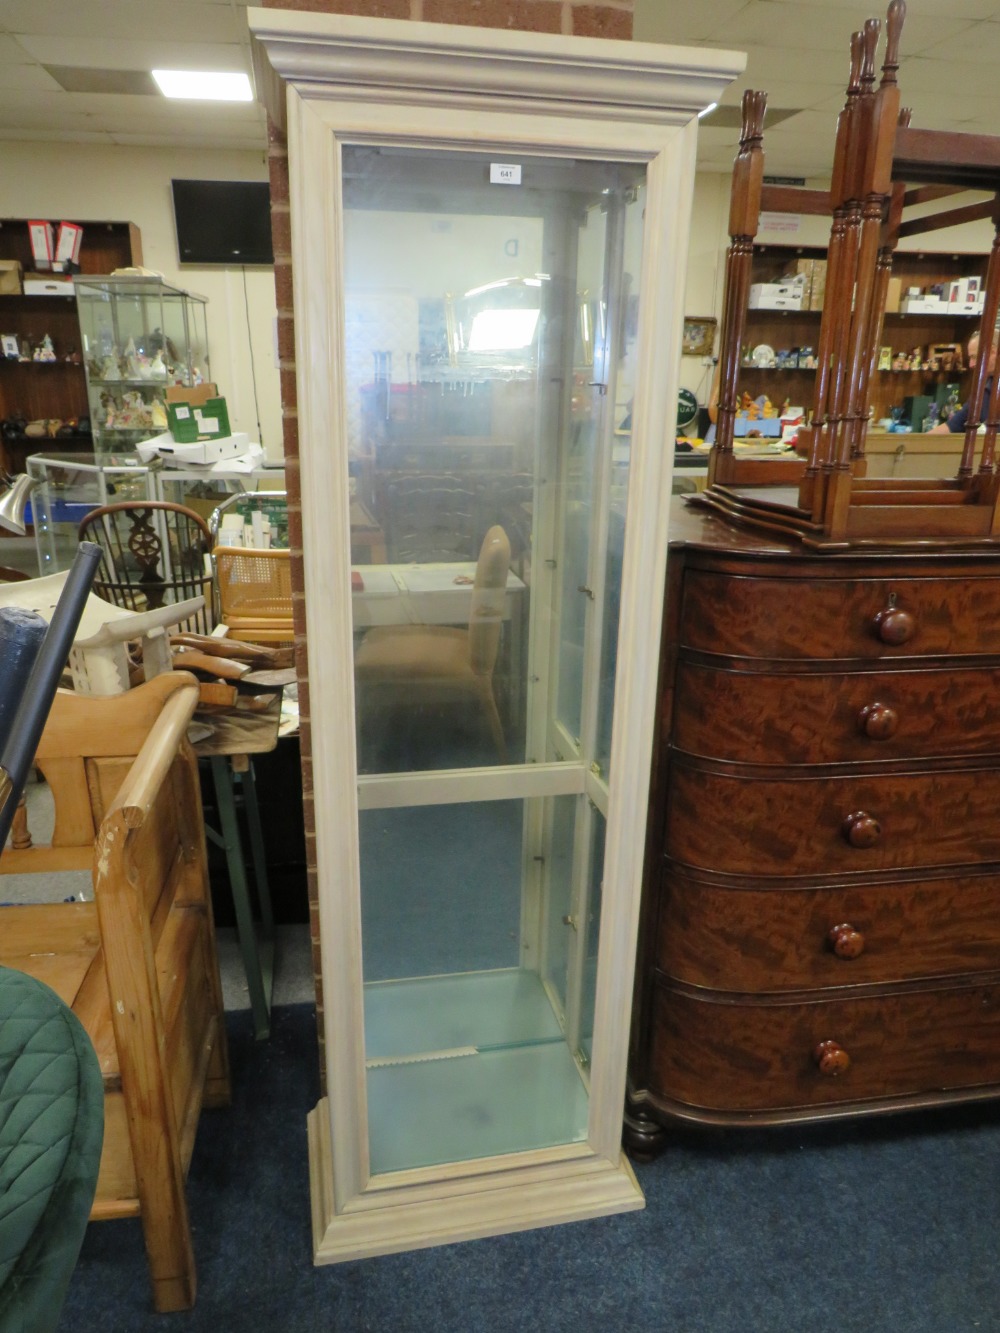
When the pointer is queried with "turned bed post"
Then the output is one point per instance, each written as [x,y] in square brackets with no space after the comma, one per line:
[838,276]
[744,214]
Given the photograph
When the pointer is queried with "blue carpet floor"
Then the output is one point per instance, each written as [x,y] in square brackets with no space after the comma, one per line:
[887,1227]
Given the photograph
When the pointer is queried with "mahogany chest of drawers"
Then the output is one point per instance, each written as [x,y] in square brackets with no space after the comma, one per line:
[821,915]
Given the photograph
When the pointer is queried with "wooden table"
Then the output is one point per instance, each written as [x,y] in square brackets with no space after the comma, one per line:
[236,736]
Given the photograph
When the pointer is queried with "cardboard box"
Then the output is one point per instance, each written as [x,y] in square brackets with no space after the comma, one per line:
[200,451]
[893,296]
[195,394]
[10,277]
[817,292]
[36,284]
[923,305]
[804,270]
[42,249]
[777,295]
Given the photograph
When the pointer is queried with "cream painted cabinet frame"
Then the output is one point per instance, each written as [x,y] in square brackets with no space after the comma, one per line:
[489,236]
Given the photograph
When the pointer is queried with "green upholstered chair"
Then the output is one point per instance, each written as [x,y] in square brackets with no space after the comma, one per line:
[51,1132]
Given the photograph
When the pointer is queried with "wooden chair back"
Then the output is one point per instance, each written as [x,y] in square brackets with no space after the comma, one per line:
[154,552]
[86,751]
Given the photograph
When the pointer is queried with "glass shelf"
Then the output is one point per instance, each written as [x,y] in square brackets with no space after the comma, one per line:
[68,486]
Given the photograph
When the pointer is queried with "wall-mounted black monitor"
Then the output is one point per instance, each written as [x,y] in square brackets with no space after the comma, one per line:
[223,222]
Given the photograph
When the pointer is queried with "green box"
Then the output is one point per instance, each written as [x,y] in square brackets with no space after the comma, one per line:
[205,421]
[182,422]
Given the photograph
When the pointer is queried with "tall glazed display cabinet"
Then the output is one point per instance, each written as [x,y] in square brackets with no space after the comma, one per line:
[489,234]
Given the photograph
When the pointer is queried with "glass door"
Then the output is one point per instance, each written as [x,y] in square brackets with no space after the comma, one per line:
[488,311]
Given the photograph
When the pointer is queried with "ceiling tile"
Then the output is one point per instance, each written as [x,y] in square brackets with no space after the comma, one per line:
[30,77]
[685,20]
[119,109]
[779,24]
[81,79]
[180,140]
[857,11]
[797,54]
[979,45]
[57,135]
[127,122]
[128,53]
[12,52]
[949,9]
[930,75]
[153,19]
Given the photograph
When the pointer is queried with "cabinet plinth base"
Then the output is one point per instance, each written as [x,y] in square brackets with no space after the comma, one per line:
[564,1186]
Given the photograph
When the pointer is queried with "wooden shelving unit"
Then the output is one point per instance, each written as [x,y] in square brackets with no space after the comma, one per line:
[785,329]
[52,390]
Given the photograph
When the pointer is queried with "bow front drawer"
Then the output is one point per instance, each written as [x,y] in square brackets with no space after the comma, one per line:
[835,717]
[737,825]
[837,617]
[779,940]
[771,1057]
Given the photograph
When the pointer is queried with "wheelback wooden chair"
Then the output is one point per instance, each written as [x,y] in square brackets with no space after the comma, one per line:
[154,552]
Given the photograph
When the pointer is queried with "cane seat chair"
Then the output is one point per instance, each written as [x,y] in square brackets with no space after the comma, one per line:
[420,664]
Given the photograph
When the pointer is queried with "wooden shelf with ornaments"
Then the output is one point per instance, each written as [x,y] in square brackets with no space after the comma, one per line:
[41,400]
[783,340]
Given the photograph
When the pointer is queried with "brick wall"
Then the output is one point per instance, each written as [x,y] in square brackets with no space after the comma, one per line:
[611,18]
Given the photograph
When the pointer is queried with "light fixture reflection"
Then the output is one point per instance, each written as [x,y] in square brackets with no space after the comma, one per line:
[13,501]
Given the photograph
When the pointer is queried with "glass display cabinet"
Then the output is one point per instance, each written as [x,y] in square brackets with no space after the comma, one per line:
[68,486]
[496,278]
[139,336]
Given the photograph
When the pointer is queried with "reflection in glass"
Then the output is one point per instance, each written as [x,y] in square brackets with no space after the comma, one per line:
[487,333]
[454,1028]
[634,204]
[591,915]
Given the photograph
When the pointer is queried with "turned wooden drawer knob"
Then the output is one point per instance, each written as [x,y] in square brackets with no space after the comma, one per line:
[893,625]
[845,941]
[831,1059]
[878,721]
[861,829]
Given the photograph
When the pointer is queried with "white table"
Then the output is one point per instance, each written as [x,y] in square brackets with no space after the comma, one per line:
[420,594]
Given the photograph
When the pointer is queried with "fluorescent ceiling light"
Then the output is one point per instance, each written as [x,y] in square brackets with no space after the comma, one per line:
[203,85]
[502,330]
[706,111]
